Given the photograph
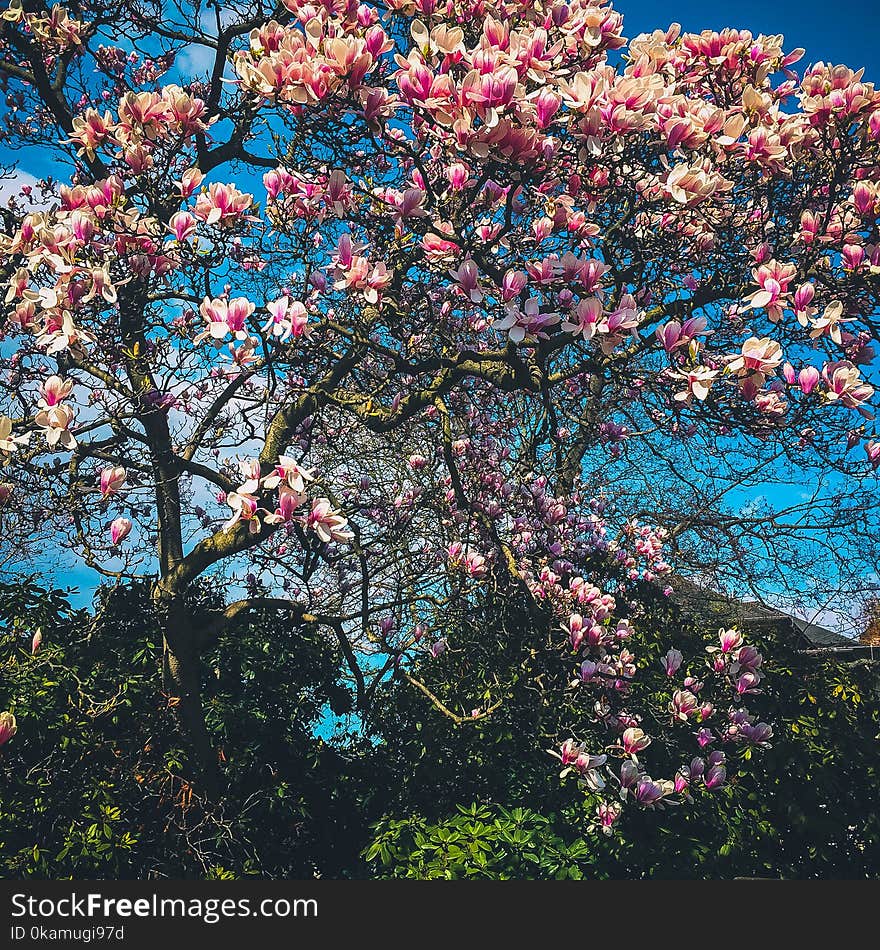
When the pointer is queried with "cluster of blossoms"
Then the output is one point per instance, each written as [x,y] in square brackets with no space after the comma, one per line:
[111,482]
[535,88]
[144,121]
[55,416]
[290,480]
[733,671]
[548,537]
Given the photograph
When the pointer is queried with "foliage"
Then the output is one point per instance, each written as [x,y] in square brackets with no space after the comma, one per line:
[803,808]
[93,787]
[477,843]
[92,781]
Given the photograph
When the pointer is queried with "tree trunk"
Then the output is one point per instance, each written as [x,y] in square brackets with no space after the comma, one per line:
[182,676]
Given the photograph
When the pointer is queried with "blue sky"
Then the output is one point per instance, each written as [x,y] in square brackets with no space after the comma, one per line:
[827,32]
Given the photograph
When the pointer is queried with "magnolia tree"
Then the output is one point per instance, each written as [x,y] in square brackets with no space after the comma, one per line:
[374,308]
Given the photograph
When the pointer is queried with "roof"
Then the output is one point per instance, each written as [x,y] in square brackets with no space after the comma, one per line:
[809,637]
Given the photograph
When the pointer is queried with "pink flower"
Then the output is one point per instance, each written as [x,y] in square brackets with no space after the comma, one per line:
[8,727]
[527,321]
[682,780]
[607,813]
[669,335]
[54,390]
[182,225]
[683,704]
[845,384]
[36,642]
[244,508]
[190,181]
[729,639]
[287,319]
[830,323]
[55,423]
[760,356]
[457,175]
[9,443]
[225,316]
[629,774]
[120,528]
[467,277]
[648,792]
[575,630]
[634,740]
[512,284]
[699,381]
[327,522]
[704,737]
[222,204]
[747,683]
[291,473]
[587,315]
[112,480]
[808,379]
[588,671]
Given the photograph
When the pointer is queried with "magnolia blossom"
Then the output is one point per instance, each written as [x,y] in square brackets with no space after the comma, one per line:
[648,792]
[608,813]
[182,225]
[9,442]
[758,356]
[54,390]
[672,661]
[222,204]
[36,642]
[574,758]
[715,777]
[190,180]
[829,323]
[291,473]
[286,319]
[245,507]
[327,522]
[225,316]
[845,385]
[808,379]
[691,184]
[683,705]
[55,423]
[526,321]
[112,480]
[288,503]
[699,381]
[634,740]
[8,727]
[586,318]
[730,640]
[120,528]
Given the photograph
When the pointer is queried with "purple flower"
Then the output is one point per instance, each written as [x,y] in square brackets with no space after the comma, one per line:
[716,777]
[672,661]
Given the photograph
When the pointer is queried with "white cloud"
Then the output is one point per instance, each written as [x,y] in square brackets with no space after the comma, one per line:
[195,61]
[12,183]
